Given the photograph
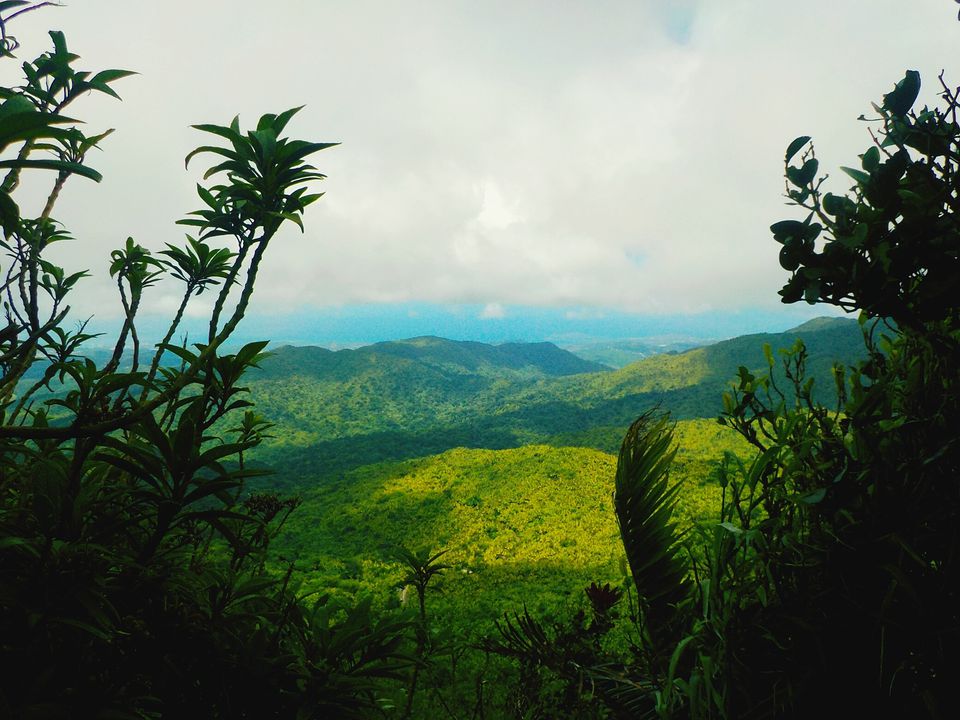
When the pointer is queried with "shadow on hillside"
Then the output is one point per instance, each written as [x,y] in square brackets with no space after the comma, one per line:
[333,458]
[556,423]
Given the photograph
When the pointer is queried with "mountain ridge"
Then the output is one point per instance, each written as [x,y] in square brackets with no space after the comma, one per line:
[530,359]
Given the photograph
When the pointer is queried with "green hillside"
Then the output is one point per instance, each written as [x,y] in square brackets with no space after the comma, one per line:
[456,358]
[691,384]
[527,525]
[524,528]
[335,411]
[618,353]
[395,386]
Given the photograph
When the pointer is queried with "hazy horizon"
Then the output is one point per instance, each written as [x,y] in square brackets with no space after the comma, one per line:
[349,327]
[508,171]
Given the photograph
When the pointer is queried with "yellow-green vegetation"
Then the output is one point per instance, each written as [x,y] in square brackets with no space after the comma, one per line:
[526,526]
[510,519]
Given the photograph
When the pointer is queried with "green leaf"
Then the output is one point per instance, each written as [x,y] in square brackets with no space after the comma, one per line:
[899,101]
[79,624]
[209,487]
[293,217]
[861,177]
[109,76]
[675,657]
[9,213]
[101,80]
[70,167]
[794,147]
[835,204]
[787,229]
[230,133]
[912,197]
[803,176]
[59,42]
[789,257]
[814,497]
[188,357]
[29,547]
[644,503]
[871,159]
[281,120]
[210,149]
[21,121]
[299,149]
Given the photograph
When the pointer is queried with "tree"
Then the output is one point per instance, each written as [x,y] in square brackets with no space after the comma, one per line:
[829,585]
[420,568]
[132,574]
[885,530]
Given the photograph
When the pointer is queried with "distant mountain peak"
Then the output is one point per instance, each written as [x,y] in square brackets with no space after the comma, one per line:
[420,341]
[822,323]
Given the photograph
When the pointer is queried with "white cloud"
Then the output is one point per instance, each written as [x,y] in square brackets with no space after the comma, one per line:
[495,153]
[492,311]
[496,213]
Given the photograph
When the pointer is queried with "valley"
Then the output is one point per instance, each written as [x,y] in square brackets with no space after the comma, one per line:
[501,457]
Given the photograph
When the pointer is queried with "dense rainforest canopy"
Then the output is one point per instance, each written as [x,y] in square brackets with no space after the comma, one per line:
[812,571]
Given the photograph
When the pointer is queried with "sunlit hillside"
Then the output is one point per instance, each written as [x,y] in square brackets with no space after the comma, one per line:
[527,525]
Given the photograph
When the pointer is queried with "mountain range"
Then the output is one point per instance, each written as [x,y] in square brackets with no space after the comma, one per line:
[337,410]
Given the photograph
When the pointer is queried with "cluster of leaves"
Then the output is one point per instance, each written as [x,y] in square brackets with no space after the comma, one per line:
[889,247]
[132,573]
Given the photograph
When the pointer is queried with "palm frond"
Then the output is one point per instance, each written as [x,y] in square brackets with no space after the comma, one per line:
[644,502]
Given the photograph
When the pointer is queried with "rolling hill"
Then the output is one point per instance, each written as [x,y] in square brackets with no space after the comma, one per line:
[618,353]
[501,456]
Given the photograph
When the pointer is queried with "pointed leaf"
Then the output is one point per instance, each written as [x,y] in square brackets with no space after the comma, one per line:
[794,147]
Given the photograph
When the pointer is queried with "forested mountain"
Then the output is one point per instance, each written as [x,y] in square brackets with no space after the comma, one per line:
[455,359]
[690,384]
[396,387]
[391,401]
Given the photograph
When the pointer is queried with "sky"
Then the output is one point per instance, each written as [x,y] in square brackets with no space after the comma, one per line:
[508,170]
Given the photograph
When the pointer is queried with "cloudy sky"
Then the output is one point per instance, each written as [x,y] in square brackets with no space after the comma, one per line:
[569,161]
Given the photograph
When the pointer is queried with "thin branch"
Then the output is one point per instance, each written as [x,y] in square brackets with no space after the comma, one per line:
[161,348]
[54,194]
[11,16]
[125,421]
